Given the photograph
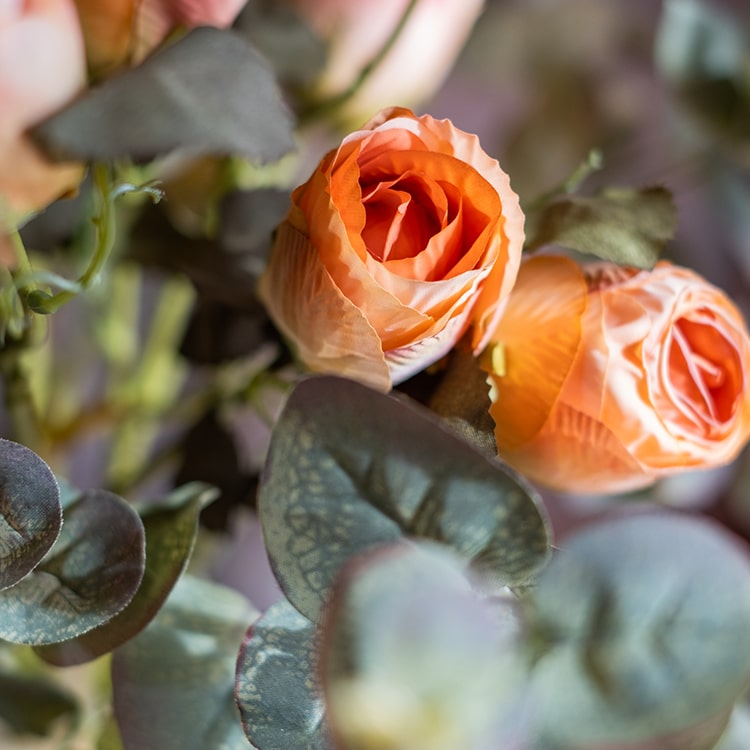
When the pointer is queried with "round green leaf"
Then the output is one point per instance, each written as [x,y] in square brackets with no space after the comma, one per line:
[171,526]
[413,657]
[280,703]
[89,575]
[349,468]
[643,626]
[173,683]
[30,512]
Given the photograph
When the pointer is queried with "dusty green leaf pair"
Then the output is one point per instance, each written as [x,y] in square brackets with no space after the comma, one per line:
[351,471]
[77,581]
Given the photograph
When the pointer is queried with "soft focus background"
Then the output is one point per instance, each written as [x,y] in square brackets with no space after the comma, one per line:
[661,89]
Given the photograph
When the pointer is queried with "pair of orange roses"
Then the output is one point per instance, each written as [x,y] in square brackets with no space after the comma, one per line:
[601,378]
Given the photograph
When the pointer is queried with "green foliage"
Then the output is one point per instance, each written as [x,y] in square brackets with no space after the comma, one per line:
[622,225]
[276,689]
[173,683]
[33,705]
[171,527]
[170,102]
[30,512]
[350,468]
[641,627]
[88,576]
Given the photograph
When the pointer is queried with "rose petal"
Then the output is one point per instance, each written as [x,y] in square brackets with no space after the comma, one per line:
[575,453]
[540,333]
[301,295]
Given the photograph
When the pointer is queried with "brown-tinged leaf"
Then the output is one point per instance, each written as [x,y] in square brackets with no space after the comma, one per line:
[88,576]
[30,512]
[626,226]
[171,526]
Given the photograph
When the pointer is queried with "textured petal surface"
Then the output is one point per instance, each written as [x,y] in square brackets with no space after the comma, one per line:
[538,339]
[659,383]
[300,295]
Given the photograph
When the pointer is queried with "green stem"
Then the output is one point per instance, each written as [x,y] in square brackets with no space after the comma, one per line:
[592,164]
[324,106]
[104,221]
[19,403]
[24,266]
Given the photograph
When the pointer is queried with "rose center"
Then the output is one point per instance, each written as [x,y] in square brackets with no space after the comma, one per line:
[401,216]
[705,370]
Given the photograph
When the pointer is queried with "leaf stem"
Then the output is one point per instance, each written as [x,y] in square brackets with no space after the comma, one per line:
[105,223]
[593,163]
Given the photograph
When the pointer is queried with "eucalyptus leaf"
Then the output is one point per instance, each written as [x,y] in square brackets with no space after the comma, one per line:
[33,705]
[30,512]
[413,657]
[208,92]
[643,629]
[171,527]
[90,574]
[350,468]
[622,225]
[276,689]
[173,683]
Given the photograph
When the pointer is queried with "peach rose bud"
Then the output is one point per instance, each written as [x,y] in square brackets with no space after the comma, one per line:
[414,67]
[45,34]
[402,238]
[604,379]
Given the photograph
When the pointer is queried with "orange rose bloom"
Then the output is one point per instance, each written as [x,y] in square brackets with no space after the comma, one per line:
[607,378]
[42,67]
[403,237]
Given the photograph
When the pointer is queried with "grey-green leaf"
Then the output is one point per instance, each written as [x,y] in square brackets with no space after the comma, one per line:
[276,689]
[643,624]
[30,512]
[209,92]
[629,227]
[173,683]
[171,526]
[412,656]
[350,468]
[89,575]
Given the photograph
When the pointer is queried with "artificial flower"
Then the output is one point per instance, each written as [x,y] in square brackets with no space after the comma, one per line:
[42,67]
[403,237]
[606,378]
